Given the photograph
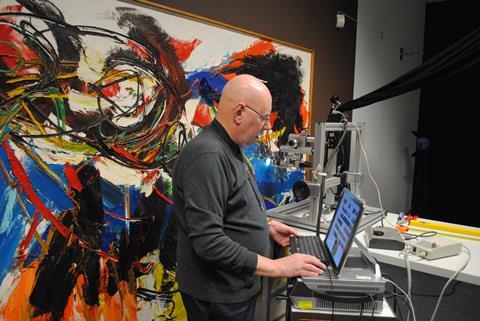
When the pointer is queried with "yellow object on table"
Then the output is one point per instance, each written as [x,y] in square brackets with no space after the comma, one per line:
[446,227]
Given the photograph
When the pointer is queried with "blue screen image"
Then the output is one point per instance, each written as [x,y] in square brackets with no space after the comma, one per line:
[342,226]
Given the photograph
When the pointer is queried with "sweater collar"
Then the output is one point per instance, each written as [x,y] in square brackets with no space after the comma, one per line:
[223,133]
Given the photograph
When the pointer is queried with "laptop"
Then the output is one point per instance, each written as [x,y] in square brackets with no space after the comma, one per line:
[333,251]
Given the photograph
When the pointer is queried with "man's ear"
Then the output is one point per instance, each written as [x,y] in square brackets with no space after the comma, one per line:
[238,113]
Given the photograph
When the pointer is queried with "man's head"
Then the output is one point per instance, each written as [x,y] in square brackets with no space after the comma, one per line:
[244,109]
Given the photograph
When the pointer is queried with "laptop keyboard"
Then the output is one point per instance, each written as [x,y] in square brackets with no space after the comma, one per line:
[308,245]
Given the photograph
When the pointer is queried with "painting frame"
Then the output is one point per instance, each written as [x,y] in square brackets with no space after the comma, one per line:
[219,24]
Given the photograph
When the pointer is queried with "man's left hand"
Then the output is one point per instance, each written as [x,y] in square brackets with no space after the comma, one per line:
[281,233]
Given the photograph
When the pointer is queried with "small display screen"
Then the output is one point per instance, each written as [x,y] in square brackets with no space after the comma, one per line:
[343,228]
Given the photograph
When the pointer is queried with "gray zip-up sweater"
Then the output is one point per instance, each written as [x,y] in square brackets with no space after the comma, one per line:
[220,218]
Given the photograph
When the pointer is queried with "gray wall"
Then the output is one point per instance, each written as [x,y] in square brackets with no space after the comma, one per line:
[389,141]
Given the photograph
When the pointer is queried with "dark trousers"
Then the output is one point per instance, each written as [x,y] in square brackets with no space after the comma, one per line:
[198,310]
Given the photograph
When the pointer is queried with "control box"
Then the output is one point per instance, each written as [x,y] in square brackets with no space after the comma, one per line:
[435,247]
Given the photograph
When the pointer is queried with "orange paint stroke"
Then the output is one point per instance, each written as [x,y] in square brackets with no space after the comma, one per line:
[258,48]
[120,150]
[17,307]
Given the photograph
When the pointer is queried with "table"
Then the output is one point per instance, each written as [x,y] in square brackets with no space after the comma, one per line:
[443,267]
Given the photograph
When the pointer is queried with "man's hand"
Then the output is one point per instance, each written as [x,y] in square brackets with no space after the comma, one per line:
[281,233]
[290,266]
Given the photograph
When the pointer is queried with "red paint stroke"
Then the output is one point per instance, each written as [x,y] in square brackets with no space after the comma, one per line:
[21,175]
[144,269]
[24,243]
[138,49]
[151,175]
[162,196]
[26,187]
[183,49]
[273,118]
[111,90]
[9,35]
[72,177]
[202,116]
[11,8]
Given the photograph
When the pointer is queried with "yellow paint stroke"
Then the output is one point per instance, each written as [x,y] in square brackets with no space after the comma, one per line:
[179,313]
[271,200]
[23,78]
[68,75]
[32,117]
[52,96]
[265,139]
[16,92]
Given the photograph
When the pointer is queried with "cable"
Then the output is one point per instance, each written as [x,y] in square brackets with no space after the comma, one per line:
[409,277]
[373,305]
[411,236]
[368,165]
[408,299]
[437,295]
[333,293]
[467,250]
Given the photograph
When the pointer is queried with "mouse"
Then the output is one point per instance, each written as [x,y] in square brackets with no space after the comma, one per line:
[378,233]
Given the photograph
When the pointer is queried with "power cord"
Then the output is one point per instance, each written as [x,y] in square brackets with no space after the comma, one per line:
[408,299]
[467,250]
[368,166]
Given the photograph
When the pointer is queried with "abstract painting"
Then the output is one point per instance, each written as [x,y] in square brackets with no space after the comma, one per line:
[97,99]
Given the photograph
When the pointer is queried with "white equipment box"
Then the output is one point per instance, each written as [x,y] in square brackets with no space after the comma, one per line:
[435,247]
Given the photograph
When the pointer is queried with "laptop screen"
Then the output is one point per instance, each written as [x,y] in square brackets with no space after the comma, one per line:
[343,228]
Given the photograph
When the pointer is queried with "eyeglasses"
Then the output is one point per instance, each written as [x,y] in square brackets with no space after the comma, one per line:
[265,118]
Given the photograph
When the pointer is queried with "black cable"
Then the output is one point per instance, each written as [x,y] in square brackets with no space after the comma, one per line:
[437,295]
[411,236]
[361,310]
[373,306]
[385,275]
[333,292]
[395,296]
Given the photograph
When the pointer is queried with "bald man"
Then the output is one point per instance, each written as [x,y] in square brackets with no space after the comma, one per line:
[223,233]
